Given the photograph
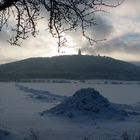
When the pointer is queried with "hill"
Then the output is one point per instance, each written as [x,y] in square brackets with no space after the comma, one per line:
[70,67]
[137,63]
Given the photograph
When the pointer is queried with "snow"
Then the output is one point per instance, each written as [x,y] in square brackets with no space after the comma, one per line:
[116,93]
[20,111]
[88,102]
[41,95]
[5,134]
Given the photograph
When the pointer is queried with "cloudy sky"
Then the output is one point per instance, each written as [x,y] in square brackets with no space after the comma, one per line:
[120,26]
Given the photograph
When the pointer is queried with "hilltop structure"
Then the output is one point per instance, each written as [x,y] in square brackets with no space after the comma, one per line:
[79,52]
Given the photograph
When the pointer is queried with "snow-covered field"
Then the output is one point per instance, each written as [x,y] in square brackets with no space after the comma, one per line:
[22,103]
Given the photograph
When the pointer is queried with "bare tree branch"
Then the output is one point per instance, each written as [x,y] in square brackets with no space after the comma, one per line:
[64,16]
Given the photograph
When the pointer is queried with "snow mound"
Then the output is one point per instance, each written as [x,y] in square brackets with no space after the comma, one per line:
[87,102]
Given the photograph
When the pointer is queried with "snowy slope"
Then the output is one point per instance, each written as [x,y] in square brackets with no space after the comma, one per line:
[41,94]
[19,113]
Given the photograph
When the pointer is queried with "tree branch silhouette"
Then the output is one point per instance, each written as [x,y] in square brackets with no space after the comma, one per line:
[64,16]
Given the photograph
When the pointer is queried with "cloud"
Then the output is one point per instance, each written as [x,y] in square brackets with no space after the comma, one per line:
[102,29]
[129,9]
[41,46]
[128,44]
[124,41]
[121,28]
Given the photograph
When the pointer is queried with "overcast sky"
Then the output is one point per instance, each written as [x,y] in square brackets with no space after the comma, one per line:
[121,28]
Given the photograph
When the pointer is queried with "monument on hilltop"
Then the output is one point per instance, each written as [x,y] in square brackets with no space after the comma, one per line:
[79,52]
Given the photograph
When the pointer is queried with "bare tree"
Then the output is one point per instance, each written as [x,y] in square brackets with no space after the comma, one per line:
[64,16]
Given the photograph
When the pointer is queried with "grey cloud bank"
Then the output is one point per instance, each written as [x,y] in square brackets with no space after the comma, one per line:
[129,43]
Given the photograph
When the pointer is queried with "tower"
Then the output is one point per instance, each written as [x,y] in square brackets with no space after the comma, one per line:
[79,52]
